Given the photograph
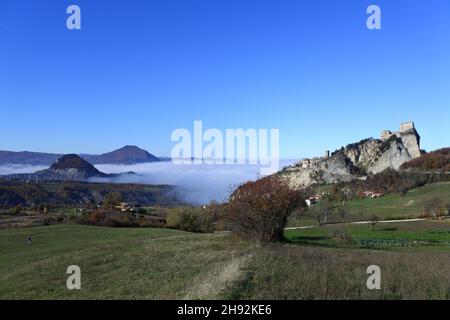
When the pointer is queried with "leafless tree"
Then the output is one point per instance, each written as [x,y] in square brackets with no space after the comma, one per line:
[321,211]
[434,205]
[373,219]
[258,210]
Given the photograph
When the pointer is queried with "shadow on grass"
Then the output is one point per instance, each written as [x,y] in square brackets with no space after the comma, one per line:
[387,229]
[319,241]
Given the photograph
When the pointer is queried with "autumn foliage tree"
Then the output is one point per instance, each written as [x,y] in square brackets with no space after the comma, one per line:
[258,210]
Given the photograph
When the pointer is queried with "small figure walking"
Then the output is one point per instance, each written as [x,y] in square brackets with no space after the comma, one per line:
[29,240]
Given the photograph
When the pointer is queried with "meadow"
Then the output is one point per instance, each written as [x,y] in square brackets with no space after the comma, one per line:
[115,263]
[424,235]
[121,263]
[389,207]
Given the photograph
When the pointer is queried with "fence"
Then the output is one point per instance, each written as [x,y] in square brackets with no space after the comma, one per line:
[386,243]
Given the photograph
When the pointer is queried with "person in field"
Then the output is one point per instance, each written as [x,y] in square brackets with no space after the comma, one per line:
[29,240]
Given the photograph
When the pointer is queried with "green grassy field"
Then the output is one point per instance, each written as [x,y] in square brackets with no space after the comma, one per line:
[168,264]
[424,235]
[388,207]
[410,204]
[115,263]
[286,271]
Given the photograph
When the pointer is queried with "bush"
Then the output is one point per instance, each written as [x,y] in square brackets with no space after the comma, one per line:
[341,237]
[111,200]
[16,210]
[96,217]
[118,219]
[434,206]
[191,219]
[322,211]
[258,210]
[43,208]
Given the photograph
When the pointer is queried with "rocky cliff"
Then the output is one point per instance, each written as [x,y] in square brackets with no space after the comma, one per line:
[357,160]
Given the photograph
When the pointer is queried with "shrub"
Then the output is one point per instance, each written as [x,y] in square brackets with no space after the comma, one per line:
[341,237]
[191,219]
[434,206]
[96,217]
[322,211]
[112,199]
[258,210]
[120,220]
[43,207]
[16,210]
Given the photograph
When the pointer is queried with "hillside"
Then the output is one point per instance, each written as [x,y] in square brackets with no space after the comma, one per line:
[121,263]
[28,158]
[357,160]
[126,156]
[438,160]
[68,167]
[31,194]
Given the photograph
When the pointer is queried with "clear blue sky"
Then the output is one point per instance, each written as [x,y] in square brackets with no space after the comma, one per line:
[139,69]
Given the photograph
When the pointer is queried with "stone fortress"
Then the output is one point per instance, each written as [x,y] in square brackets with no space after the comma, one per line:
[405,127]
[358,160]
[314,162]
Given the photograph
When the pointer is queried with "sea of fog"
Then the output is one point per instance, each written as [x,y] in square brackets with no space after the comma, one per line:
[196,183]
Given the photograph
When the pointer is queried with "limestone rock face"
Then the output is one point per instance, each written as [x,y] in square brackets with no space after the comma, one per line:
[357,160]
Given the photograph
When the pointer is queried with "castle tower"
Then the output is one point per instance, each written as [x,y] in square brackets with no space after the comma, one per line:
[386,134]
[406,126]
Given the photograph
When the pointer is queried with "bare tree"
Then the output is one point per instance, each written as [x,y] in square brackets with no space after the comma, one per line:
[342,211]
[321,211]
[373,219]
[434,205]
[258,210]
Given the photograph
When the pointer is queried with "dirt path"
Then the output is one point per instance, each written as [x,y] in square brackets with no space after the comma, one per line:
[217,280]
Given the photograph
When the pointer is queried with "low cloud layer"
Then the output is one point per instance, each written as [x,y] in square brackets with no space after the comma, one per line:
[19,168]
[196,184]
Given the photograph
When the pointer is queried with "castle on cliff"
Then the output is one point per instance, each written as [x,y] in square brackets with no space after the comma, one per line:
[405,127]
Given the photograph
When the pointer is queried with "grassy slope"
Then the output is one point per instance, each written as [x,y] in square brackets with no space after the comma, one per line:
[169,264]
[115,263]
[285,271]
[434,235]
[388,207]
[396,206]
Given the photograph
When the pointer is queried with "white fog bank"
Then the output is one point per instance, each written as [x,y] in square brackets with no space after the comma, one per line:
[198,183]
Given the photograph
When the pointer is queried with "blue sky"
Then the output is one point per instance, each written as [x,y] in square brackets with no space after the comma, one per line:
[139,69]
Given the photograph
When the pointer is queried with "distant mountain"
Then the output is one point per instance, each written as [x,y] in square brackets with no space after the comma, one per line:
[28,158]
[69,167]
[126,156]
